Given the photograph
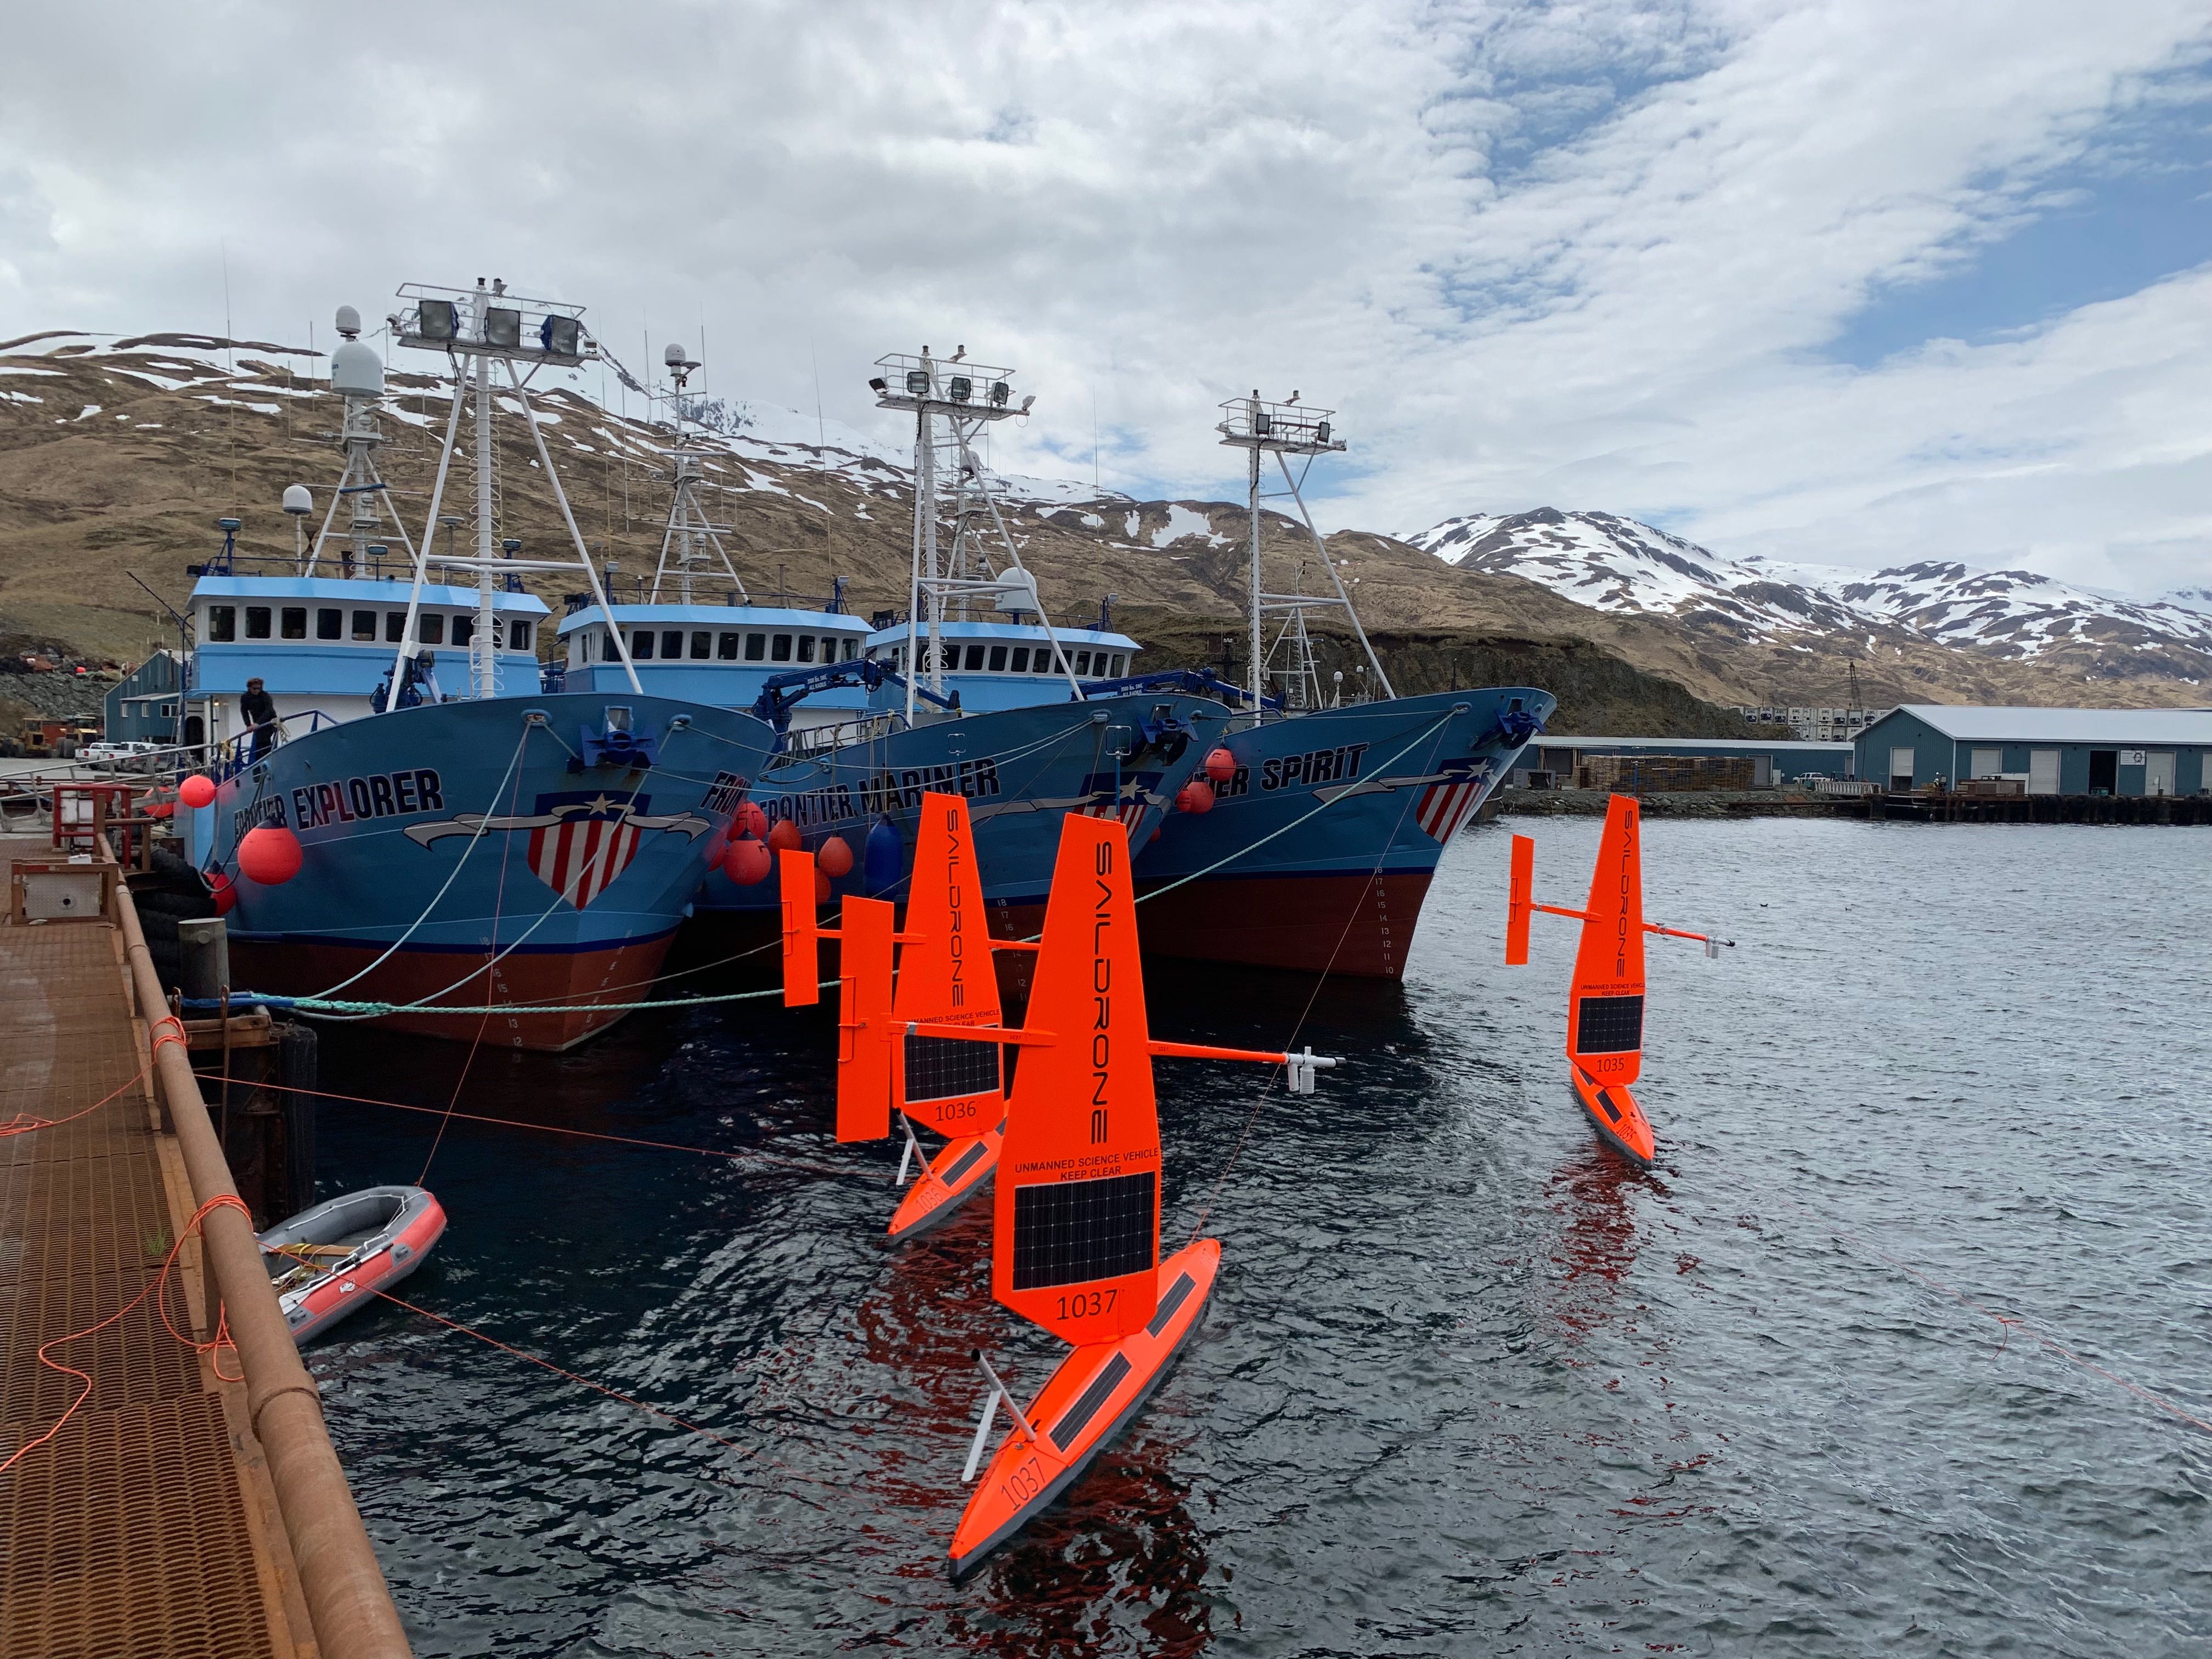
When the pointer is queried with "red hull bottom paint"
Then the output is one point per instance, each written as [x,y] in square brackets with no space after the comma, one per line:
[1362,926]
[619,974]
[1089,1399]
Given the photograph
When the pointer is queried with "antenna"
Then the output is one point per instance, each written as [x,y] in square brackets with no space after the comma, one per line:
[967,397]
[689,544]
[1285,429]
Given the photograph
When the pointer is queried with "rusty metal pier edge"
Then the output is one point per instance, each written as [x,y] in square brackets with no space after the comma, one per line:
[348,1601]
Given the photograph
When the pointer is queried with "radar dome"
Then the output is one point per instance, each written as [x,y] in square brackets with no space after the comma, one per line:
[673,357]
[356,371]
[348,321]
[297,500]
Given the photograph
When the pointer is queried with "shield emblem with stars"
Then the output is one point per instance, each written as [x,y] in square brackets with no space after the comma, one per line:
[593,842]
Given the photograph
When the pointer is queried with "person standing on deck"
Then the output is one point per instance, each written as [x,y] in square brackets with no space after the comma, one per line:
[258,710]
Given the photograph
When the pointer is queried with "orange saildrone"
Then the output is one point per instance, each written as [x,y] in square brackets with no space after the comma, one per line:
[945,975]
[1076,1210]
[1605,1002]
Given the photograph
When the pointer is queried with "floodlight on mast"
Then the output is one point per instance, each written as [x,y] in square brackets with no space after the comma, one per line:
[477,328]
[1284,429]
[965,573]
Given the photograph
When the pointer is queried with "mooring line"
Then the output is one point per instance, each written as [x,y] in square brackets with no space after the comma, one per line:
[775,1159]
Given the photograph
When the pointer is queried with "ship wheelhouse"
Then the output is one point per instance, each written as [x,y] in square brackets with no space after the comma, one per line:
[993,665]
[721,654]
[322,645]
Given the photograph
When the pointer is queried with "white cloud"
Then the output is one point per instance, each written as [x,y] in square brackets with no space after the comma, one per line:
[1585,254]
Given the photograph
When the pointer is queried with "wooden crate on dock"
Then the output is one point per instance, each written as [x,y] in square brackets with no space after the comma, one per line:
[1636,775]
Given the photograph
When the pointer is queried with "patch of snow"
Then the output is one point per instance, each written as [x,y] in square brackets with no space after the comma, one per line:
[21,397]
[1181,523]
[17,369]
[1092,521]
[240,403]
[88,411]
[1129,530]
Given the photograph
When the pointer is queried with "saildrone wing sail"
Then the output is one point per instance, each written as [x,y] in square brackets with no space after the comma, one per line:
[945,975]
[1078,1189]
[1605,1004]
[1520,894]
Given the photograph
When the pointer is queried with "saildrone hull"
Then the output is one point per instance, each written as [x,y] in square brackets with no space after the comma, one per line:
[1618,1120]
[1097,1389]
[962,1169]
[476,855]
[1319,849]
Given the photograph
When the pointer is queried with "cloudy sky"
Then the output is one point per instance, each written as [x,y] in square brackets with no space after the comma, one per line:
[1846,282]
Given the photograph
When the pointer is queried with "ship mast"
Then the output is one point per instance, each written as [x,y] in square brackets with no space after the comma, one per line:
[967,397]
[1285,429]
[358,375]
[690,545]
[475,330]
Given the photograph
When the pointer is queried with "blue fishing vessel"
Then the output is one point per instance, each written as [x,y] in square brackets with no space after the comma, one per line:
[972,689]
[393,831]
[1321,826]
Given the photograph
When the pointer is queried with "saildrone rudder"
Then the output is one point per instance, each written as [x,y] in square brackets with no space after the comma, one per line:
[1520,894]
[1078,1186]
[802,953]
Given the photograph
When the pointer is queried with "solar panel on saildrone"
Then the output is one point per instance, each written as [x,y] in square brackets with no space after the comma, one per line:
[1069,1232]
[1077,1214]
[1608,1025]
[947,1068]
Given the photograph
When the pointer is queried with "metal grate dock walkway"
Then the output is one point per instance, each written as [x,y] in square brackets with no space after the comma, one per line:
[147,1526]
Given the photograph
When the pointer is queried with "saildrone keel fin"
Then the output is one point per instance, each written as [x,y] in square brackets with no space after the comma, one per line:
[1520,894]
[1089,1399]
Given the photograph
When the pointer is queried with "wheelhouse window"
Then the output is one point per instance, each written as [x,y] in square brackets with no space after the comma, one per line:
[521,632]
[329,624]
[221,623]
[780,648]
[293,622]
[640,645]
[672,643]
[465,630]
[976,658]
[852,647]
[755,647]
[431,631]
[806,648]
[703,646]
[1082,662]
[1121,665]
[998,659]
[364,625]
[1021,659]
[395,627]
[257,621]
[725,647]
[829,647]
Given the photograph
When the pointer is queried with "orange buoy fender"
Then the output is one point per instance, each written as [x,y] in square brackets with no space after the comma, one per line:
[749,820]
[833,858]
[747,862]
[1220,765]
[224,891]
[270,855]
[1196,796]
[197,790]
[784,836]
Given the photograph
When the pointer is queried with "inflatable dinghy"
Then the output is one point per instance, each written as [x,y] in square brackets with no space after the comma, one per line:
[327,1261]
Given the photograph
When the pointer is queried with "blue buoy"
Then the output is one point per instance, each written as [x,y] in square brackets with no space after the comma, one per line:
[885,860]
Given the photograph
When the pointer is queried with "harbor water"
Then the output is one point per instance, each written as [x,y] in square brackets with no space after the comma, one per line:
[1469,1384]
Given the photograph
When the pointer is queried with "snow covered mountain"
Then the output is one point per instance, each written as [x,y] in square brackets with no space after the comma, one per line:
[1617,564]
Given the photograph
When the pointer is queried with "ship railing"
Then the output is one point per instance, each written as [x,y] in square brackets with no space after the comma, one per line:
[817,740]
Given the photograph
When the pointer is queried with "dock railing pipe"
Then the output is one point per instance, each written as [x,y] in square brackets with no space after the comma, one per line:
[348,1601]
